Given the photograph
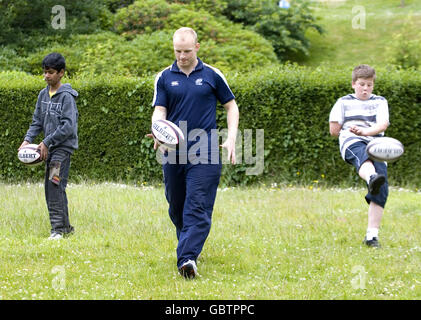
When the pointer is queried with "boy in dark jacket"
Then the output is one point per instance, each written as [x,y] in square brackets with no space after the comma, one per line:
[56,115]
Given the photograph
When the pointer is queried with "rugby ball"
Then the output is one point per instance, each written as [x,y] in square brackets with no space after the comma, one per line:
[385,149]
[167,133]
[30,155]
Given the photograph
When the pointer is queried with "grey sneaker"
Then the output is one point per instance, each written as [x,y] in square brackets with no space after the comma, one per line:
[188,270]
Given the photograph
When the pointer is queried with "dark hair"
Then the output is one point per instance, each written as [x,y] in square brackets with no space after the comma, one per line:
[54,61]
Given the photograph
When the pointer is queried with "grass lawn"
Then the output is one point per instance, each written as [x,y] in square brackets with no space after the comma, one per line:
[346,45]
[265,243]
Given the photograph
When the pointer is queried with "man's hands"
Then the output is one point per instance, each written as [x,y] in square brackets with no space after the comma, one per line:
[229,144]
[156,144]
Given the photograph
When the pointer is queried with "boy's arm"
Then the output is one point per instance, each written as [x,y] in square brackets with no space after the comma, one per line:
[336,118]
[335,128]
[372,131]
[67,125]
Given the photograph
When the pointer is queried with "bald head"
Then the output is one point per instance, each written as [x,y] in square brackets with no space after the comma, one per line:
[186,48]
[185,34]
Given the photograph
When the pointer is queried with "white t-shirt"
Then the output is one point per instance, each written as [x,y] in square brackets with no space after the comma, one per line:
[349,111]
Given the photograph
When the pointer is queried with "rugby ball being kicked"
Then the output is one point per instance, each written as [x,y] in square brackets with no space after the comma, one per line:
[385,149]
[30,155]
[167,133]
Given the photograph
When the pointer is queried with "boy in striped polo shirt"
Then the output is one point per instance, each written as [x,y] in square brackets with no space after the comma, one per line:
[357,119]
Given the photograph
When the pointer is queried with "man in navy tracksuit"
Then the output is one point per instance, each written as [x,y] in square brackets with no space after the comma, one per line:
[186,93]
[56,115]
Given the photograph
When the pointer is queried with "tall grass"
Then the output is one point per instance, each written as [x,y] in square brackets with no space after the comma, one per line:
[265,243]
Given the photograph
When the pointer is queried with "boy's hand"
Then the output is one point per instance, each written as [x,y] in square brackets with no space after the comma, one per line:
[43,151]
[358,131]
[23,144]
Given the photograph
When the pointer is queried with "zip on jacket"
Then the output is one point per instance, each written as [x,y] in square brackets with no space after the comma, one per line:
[57,117]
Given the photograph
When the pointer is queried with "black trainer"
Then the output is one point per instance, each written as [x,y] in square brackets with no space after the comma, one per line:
[374,243]
[376,181]
[188,270]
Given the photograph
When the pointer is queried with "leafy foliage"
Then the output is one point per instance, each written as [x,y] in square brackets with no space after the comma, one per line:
[291,104]
[130,37]
[108,53]
[405,52]
[20,19]
[142,17]
[114,5]
[216,7]
[284,28]
[224,44]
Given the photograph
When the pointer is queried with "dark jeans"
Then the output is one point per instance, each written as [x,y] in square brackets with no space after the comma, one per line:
[56,175]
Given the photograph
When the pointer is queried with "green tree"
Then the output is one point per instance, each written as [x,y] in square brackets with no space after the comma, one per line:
[114,5]
[216,7]
[284,28]
[405,50]
[20,19]
[144,16]
[224,44]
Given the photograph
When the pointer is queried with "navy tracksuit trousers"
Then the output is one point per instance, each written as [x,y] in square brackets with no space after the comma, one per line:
[190,190]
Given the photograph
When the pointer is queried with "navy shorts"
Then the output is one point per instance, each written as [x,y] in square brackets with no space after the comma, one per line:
[356,155]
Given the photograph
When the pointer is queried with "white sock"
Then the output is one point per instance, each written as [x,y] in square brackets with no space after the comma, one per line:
[372,233]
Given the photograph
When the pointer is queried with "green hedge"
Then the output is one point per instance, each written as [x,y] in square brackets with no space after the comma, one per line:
[290,103]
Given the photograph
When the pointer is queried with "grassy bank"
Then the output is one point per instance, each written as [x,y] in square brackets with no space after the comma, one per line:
[349,40]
